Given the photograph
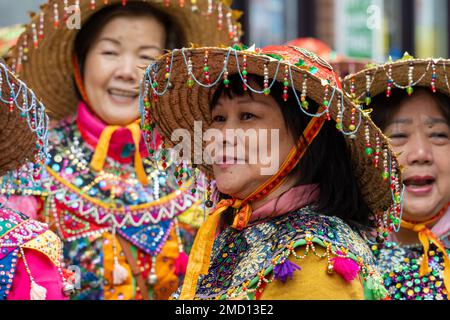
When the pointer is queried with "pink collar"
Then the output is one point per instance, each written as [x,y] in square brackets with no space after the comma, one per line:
[121,147]
[442,227]
[294,199]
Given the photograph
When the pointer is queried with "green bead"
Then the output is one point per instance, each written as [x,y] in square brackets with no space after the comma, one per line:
[176,174]
[286,83]
[338,126]
[267,91]
[409,90]
[368,100]
[226,82]
[369,151]
[305,104]
[326,103]
[244,72]
[190,83]
[385,234]
[155,84]
[194,191]
[206,69]
[385,175]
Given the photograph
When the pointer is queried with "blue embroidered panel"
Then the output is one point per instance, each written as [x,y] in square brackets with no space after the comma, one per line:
[8,264]
[149,239]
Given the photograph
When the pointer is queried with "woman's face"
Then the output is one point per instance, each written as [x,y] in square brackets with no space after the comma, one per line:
[421,135]
[241,172]
[114,63]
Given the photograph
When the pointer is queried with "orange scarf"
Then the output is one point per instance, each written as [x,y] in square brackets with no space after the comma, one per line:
[200,257]
[426,236]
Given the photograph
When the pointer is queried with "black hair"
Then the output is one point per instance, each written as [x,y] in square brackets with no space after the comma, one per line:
[91,29]
[385,107]
[326,162]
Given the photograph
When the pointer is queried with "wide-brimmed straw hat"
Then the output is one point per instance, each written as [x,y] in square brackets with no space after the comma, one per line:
[23,124]
[404,74]
[44,53]
[182,84]
[342,66]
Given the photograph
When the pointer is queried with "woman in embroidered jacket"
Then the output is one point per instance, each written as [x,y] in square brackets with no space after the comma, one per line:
[124,219]
[414,113]
[30,254]
[283,231]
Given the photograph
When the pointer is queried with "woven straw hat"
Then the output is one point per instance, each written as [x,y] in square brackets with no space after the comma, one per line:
[342,66]
[184,95]
[405,73]
[44,52]
[23,124]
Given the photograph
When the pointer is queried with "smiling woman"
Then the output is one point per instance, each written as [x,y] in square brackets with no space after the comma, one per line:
[111,61]
[126,221]
[414,113]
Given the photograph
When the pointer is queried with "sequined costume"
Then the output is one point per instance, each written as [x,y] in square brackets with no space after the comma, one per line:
[244,263]
[86,208]
[401,275]
[23,237]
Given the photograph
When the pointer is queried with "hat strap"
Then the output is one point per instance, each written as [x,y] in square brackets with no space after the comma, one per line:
[202,248]
[79,81]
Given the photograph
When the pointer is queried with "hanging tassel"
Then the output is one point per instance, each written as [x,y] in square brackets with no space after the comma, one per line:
[346,267]
[120,274]
[284,270]
[378,290]
[181,264]
[37,292]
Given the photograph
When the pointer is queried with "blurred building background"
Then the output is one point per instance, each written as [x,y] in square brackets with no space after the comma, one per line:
[372,29]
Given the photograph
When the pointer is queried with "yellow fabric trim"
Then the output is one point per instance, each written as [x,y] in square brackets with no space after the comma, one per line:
[167,280]
[313,282]
[104,205]
[201,252]
[111,292]
[101,151]
[426,236]
[48,244]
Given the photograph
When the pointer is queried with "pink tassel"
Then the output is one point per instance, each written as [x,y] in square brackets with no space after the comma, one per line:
[346,267]
[181,264]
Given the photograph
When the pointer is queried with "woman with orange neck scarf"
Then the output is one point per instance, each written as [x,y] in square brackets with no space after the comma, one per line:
[287,229]
[125,220]
[411,104]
